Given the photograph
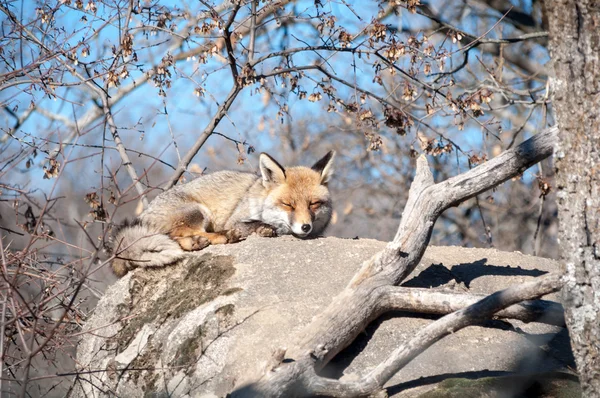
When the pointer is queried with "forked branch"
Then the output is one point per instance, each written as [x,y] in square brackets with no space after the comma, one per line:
[360,303]
[471,315]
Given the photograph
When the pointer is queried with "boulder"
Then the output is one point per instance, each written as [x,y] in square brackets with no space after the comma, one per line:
[213,322]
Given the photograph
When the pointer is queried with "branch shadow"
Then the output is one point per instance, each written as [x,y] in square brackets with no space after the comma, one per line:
[515,384]
[428,380]
[555,346]
[437,275]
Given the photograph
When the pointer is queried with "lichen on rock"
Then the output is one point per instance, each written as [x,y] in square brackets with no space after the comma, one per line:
[177,302]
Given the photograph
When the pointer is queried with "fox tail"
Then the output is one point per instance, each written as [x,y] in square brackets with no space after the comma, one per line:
[136,245]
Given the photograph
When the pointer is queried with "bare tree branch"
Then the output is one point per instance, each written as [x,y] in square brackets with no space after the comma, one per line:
[251,45]
[471,315]
[428,301]
[105,106]
[208,130]
[349,313]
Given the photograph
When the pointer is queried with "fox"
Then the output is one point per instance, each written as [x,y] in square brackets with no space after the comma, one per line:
[226,207]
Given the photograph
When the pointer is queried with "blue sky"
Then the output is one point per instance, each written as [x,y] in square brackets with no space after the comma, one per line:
[141,114]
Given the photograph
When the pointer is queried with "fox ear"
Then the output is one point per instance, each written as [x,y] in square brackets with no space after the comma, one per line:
[271,170]
[325,167]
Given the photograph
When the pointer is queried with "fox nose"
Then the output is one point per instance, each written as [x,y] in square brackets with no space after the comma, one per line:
[306,228]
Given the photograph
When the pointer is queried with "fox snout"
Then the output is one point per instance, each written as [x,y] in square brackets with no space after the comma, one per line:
[302,228]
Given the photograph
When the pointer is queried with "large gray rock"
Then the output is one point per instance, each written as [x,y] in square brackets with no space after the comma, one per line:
[205,326]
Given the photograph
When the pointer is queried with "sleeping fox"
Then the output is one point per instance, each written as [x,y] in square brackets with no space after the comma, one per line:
[226,207]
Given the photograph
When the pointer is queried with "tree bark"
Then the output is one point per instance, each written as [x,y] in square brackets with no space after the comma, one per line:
[574,27]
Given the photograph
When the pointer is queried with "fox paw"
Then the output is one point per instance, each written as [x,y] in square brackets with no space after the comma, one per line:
[234,235]
[193,243]
[266,231]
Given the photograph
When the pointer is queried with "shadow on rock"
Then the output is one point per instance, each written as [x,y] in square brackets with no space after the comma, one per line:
[437,275]
[495,383]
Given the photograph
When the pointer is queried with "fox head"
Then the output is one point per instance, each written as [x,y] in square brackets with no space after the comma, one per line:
[298,200]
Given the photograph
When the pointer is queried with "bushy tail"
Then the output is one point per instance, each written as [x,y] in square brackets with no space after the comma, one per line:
[137,245]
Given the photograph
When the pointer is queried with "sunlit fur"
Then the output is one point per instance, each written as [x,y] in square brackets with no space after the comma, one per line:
[302,187]
[137,245]
[294,200]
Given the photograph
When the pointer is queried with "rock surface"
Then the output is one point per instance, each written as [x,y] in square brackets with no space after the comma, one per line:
[204,327]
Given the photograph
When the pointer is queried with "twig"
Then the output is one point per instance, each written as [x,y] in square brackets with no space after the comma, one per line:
[251,45]
[105,106]
[3,315]
[229,45]
[208,130]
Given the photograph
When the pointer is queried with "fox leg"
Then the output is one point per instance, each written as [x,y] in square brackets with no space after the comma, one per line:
[188,225]
[189,229]
[242,230]
[192,243]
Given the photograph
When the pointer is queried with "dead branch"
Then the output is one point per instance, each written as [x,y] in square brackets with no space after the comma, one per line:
[355,307]
[435,331]
[428,301]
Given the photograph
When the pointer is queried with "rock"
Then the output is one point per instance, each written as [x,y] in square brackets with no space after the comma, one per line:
[539,385]
[206,326]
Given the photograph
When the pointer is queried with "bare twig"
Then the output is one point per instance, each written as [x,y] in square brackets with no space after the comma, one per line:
[105,106]
[251,45]
[3,314]
[208,130]
[229,45]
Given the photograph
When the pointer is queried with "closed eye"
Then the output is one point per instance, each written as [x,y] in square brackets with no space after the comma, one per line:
[286,204]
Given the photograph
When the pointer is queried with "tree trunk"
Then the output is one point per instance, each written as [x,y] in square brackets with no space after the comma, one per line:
[574,27]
